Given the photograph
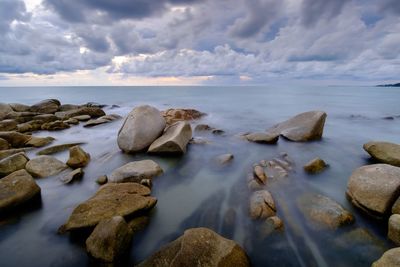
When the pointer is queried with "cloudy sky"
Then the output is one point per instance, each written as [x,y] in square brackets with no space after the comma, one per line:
[151,42]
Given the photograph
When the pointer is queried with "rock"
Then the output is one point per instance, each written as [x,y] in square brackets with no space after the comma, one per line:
[135,172]
[139,223]
[199,141]
[395,207]
[19,107]
[78,157]
[267,138]
[271,225]
[384,152]
[94,104]
[109,201]
[55,126]
[394,229]
[315,166]
[44,166]
[174,140]
[143,125]
[21,117]
[93,112]
[217,131]
[39,141]
[15,139]
[199,247]
[224,159]
[74,175]
[324,212]
[202,127]
[46,106]
[101,120]
[102,180]
[6,153]
[16,189]
[71,121]
[304,127]
[259,173]
[57,148]
[4,110]
[374,188]
[109,239]
[68,107]
[262,205]
[8,125]
[173,115]
[13,163]
[4,144]
[82,118]
[45,118]
[29,126]
[390,258]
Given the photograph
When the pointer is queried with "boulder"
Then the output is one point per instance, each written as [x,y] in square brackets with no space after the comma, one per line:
[173,115]
[19,107]
[74,175]
[4,110]
[224,159]
[135,171]
[266,138]
[374,188]
[8,125]
[394,229]
[21,117]
[143,125]
[390,258]
[109,239]
[109,201]
[304,127]
[4,144]
[46,106]
[315,166]
[323,212]
[93,112]
[174,140]
[44,166]
[262,205]
[57,148]
[384,152]
[199,247]
[55,126]
[13,163]
[16,189]
[78,157]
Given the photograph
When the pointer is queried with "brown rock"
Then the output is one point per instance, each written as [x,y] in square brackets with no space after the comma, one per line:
[74,175]
[44,166]
[77,157]
[315,166]
[55,126]
[102,180]
[259,173]
[57,148]
[135,172]
[267,138]
[8,125]
[4,110]
[4,144]
[93,112]
[224,159]
[174,139]
[19,107]
[262,205]
[390,258]
[394,229]
[13,163]
[384,152]
[46,106]
[173,115]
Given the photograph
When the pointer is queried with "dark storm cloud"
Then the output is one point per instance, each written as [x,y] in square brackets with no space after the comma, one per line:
[314,10]
[11,10]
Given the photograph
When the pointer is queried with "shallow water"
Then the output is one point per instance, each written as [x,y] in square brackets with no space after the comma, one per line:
[193,192]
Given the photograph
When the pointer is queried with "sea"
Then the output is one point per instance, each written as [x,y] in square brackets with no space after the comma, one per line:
[194,192]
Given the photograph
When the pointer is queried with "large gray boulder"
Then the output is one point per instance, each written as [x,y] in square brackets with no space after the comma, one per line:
[13,163]
[44,166]
[174,140]
[143,125]
[374,188]
[46,106]
[390,258]
[135,171]
[199,247]
[304,127]
[384,152]
[16,189]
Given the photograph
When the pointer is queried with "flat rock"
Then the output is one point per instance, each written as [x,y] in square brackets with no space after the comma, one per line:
[13,163]
[74,175]
[8,152]
[384,152]
[262,205]
[39,141]
[390,258]
[199,247]
[135,171]
[304,127]
[57,148]
[142,126]
[374,188]
[16,189]
[72,121]
[174,139]
[8,125]
[93,112]
[394,229]
[44,166]
[109,201]
[46,106]
[266,138]
[315,166]
[78,157]
[102,120]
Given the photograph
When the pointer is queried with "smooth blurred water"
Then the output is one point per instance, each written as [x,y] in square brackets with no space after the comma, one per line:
[193,192]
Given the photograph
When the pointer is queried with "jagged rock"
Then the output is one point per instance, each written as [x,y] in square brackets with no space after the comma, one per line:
[16,189]
[57,148]
[143,125]
[4,144]
[390,258]
[224,159]
[315,166]
[93,112]
[262,205]
[8,125]
[46,106]
[13,163]
[77,157]
[267,138]
[173,115]
[394,229]
[44,166]
[174,140]
[384,152]
[109,201]
[102,180]
[135,172]
[55,126]
[74,175]
[199,247]
[306,126]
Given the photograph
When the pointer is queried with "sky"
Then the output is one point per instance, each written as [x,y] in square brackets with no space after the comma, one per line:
[198,42]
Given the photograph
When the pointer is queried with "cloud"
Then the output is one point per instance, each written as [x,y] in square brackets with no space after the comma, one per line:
[314,10]
[12,10]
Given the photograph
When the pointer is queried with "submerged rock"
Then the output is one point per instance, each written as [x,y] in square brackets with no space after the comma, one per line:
[394,229]
[46,106]
[304,127]
[174,139]
[135,171]
[13,163]
[57,148]
[262,205]
[109,201]
[78,157]
[143,125]
[384,152]
[315,166]
[199,247]
[374,188]
[16,189]
[224,159]
[74,175]
[267,138]
[390,258]
[44,166]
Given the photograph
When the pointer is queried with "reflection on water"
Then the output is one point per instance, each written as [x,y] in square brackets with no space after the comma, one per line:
[195,192]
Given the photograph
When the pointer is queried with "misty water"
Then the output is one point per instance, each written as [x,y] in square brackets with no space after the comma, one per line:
[194,192]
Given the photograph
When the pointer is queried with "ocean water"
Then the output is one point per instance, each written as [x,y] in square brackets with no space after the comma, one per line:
[193,192]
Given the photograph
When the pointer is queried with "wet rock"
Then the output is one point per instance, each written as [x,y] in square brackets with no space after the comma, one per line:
[304,127]
[139,223]
[102,180]
[390,258]
[315,166]
[44,166]
[384,152]
[199,247]
[143,125]
[4,144]
[135,172]
[74,175]
[102,120]
[93,112]
[202,128]
[8,125]
[55,126]
[13,163]
[374,188]
[78,157]
[71,121]
[324,212]
[46,106]
[224,159]
[45,118]
[174,139]
[19,107]
[6,153]
[259,173]
[173,115]
[16,189]
[270,225]
[109,201]
[57,148]
[22,117]
[267,138]
[82,118]
[39,141]
[262,205]
[4,110]
[109,239]
[394,229]
[68,107]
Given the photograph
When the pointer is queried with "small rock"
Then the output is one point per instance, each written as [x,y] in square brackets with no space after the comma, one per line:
[135,172]
[174,115]
[266,138]
[390,258]
[224,159]
[199,141]
[384,152]
[102,180]
[77,157]
[315,166]
[39,141]
[218,131]
[202,127]
[262,205]
[259,173]
[74,175]
[394,229]
[44,166]
[13,163]
[271,225]
[45,118]
[102,120]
